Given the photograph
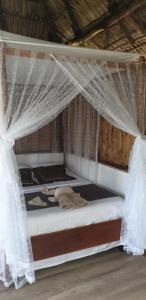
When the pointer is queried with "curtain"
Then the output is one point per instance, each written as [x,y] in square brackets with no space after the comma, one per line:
[33,92]
[118,93]
[34,88]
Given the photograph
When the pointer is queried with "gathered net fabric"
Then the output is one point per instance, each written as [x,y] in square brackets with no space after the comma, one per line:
[33,92]
[113,91]
[118,93]
[34,88]
[15,248]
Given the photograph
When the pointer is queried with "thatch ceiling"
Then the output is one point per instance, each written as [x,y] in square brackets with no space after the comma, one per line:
[103,24]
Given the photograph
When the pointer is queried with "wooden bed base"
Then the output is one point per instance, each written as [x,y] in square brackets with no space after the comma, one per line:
[70,240]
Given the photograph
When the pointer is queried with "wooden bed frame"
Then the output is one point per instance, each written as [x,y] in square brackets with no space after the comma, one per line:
[70,240]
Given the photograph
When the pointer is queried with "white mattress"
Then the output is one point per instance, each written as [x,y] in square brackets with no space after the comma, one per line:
[56,219]
[77,181]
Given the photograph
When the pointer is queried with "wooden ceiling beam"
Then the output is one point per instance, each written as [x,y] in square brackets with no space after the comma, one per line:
[74,22]
[112,6]
[55,34]
[116,48]
[92,44]
[140,39]
[109,19]
[106,38]
[2,18]
[126,32]
[138,24]
[16,15]
[135,25]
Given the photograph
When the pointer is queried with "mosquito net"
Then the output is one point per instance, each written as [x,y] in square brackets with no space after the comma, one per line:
[37,81]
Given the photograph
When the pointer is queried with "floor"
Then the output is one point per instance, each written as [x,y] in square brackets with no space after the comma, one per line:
[111,275]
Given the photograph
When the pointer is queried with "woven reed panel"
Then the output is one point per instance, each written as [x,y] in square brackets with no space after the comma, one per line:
[47,139]
[25,17]
[114,145]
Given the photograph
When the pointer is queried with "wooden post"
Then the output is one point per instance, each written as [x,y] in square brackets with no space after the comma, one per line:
[141,100]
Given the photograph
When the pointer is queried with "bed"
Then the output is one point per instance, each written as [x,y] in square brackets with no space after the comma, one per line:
[60,235]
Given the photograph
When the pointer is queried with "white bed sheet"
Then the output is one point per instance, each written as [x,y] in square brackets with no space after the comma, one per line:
[55,219]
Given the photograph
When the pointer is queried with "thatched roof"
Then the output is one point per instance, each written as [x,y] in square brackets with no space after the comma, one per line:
[104,24]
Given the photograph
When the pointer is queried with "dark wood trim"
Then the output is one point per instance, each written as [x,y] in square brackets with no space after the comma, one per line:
[110,164]
[70,240]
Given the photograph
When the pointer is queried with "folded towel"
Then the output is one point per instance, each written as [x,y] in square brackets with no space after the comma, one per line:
[57,191]
[71,200]
[37,201]
[66,197]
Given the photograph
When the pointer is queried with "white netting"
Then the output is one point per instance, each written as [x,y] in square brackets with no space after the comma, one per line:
[35,88]
[81,129]
[33,92]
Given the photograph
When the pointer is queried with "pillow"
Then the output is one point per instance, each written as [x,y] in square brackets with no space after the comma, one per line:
[51,173]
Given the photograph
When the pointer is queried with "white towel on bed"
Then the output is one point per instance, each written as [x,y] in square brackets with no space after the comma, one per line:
[37,201]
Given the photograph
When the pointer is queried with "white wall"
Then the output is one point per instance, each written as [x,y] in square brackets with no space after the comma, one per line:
[83,167]
[32,160]
[112,178]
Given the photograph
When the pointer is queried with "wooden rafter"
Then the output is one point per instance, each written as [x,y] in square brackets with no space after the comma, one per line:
[126,32]
[75,25]
[27,18]
[112,6]
[136,25]
[2,18]
[93,45]
[106,38]
[116,48]
[120,39]
[108,19]
[54,31]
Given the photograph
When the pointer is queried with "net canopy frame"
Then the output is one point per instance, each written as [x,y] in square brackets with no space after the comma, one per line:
[38,80]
